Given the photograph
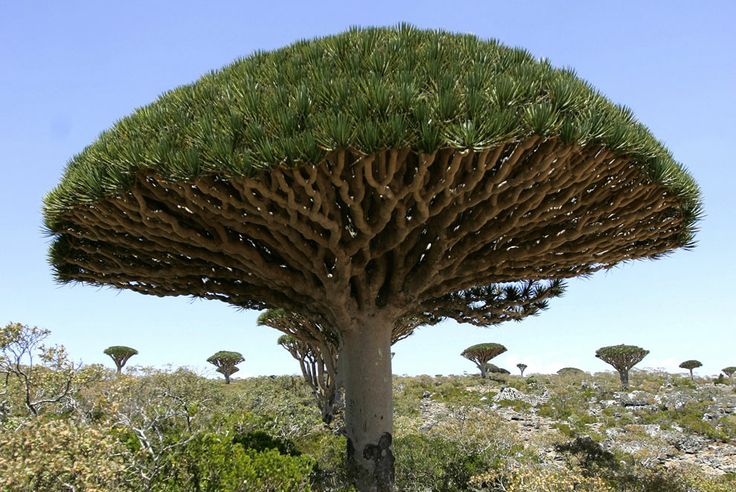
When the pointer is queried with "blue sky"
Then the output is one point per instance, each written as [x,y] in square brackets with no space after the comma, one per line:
[68,70]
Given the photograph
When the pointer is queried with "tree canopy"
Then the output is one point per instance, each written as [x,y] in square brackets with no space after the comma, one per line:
[365,101]
[120,351]
[691,364]
[621,357]
[729,371]
[226,358]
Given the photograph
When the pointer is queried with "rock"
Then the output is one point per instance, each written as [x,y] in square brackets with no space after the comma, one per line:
[510,394]
[689,443]
[635,399]
[426,394]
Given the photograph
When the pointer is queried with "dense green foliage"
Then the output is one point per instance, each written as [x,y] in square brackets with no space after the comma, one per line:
[366,89]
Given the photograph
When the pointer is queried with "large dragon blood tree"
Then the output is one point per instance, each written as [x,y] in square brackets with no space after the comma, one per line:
[359,178]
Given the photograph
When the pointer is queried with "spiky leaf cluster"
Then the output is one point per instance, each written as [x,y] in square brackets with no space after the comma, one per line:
[521,367]
[691,364]
[495,303]
[365,89]
[621,357]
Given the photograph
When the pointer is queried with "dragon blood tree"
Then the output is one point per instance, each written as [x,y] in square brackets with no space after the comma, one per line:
[522,368]
[359,178]
[481,353]
[690,365]
[622,358]
[120,355]
[315,373]
[729,371]
[225,363]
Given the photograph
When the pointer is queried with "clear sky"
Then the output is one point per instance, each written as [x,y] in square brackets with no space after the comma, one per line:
[68,70]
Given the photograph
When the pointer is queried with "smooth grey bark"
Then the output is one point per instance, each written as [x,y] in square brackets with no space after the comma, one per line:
[624,375]
[366,366]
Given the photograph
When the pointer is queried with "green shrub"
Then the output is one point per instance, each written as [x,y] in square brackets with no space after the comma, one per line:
[213,463]
[437,464]
[261,441]
[49,454]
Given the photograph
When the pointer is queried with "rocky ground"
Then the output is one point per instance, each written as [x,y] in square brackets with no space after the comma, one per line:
[672,423]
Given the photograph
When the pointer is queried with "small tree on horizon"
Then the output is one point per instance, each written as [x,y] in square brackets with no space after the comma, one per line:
[522,368]
[120,355]
[622,358]
[729,371]
[690,365]
[225,363]
[481,353]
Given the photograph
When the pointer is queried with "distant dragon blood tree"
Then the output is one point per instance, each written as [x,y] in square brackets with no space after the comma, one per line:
[622,358]
[690,365]
[225,363]
[120,355]
[359,178]
[522,368]
[729,371]
[481,353]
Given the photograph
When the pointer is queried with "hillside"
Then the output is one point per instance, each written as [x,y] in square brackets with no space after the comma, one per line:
[177,431]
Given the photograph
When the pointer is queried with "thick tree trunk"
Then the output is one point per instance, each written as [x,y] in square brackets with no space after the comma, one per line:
[227,378]
[483,370]
[624,375]
[692,378]
[366,366]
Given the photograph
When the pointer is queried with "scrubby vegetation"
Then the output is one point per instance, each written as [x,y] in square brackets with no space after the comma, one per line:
[174,430]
